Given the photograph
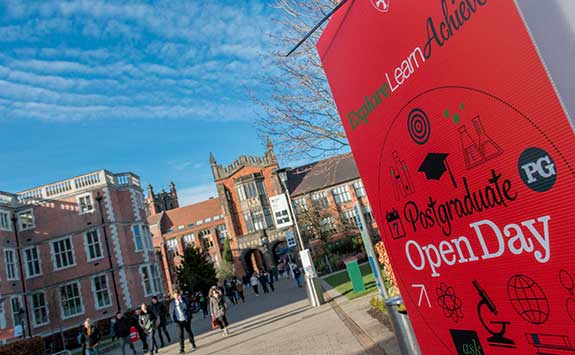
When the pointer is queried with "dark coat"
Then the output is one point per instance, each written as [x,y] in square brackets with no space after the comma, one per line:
[160,311]
[122,327]
[91,340]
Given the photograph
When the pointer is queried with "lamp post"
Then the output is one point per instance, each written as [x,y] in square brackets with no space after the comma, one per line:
[21,271]
[99,198]
[312,282]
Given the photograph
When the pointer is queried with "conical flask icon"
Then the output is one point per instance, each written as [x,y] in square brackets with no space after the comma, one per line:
[471,152]
[489,149]
[480,152]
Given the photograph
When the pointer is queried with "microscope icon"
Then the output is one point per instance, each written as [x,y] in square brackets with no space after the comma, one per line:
[497,337]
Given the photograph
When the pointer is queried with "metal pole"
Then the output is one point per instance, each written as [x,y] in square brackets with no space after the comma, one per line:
[310,284]
[21,272]
[368,244]
[110,265]
[316,26]
[296,226]
[402,327]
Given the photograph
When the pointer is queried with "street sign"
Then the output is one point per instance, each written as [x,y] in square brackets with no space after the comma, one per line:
[469,160]
[280,209]
[290,239]
[307,263]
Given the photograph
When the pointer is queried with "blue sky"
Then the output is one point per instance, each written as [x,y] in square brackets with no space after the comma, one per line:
[145,86]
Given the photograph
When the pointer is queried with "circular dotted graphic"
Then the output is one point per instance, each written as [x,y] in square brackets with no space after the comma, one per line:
[418,126]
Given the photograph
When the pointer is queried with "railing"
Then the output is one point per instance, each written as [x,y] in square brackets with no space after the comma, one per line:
[87,180]
[6,198]
[76,184]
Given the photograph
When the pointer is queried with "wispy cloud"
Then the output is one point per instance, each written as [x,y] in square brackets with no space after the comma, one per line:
[109,59]
[184,165]
[197,193]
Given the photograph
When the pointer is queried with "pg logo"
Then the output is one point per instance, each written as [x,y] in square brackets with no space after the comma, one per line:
[537,169]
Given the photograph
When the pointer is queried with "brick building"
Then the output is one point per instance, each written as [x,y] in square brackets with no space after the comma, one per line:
[244,188]
[63,244]
[163,201]
[323,194]
[200,224]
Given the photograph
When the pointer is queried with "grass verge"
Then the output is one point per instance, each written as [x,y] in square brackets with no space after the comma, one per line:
[341,282]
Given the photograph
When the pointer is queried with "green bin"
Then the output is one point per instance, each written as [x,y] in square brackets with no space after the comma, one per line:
[355,275]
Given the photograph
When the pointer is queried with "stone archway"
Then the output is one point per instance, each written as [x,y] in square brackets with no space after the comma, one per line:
[280,250]
[253,260]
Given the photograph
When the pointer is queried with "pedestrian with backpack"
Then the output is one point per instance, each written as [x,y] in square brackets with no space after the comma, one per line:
[149,324]
[122,329]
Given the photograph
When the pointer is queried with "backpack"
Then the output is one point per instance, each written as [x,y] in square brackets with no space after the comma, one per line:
[134,335]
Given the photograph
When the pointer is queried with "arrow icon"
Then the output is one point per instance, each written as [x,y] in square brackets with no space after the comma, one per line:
[423,292]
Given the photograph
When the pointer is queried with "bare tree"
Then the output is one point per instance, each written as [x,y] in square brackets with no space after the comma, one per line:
[298,109]
[319,222]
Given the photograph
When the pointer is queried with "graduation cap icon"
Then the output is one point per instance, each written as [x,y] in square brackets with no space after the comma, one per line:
[435,165]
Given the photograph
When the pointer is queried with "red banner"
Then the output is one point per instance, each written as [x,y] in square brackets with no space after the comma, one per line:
[467,157]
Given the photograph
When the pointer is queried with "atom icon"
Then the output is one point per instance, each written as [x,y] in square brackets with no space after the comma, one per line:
[449,302]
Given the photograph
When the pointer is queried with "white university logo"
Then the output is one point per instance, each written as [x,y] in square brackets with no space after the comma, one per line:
[381,5]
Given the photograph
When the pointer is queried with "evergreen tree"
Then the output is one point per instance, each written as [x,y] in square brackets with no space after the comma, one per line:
[228,256]
[196,273]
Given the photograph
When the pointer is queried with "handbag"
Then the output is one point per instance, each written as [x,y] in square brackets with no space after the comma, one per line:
[215,323]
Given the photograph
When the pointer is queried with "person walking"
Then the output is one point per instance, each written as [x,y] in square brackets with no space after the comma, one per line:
[275,273]
[282,269]
[121,328]
[263,281]
[203,303]
[90,337]
[297,275]
[218,309]
[181,313]
[149,324]
[254,283]
[230,292]
[270,279]
[135,318]
[159,311]
[240,289]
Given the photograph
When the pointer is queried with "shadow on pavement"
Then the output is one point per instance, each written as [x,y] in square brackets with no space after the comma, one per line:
[259,325]
[245,317]
[372,350]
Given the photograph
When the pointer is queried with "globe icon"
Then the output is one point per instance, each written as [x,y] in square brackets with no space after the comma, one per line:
[528,299]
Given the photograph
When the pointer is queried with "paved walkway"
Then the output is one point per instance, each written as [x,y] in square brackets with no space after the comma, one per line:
[275,323]
[374,336]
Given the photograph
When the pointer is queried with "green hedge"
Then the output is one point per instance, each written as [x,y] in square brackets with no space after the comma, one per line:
[24,347]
